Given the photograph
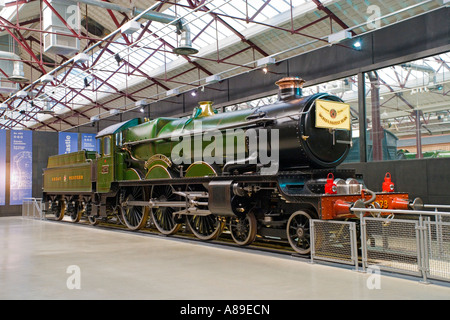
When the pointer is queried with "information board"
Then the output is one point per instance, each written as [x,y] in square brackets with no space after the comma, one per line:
[88,142]
[68,142]
[21,166]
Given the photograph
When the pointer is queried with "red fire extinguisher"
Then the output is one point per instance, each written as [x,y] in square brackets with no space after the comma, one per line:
[330,187]
[388,185]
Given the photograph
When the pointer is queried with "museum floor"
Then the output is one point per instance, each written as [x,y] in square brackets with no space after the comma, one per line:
[48,260]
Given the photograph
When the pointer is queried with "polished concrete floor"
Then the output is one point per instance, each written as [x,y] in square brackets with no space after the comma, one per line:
[48,260]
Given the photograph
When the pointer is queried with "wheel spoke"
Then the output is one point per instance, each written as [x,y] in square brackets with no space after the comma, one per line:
[243,230]
[135,217]
[298,232]
[163,217]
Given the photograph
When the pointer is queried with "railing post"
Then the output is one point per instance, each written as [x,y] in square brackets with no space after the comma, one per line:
[312,239]
[363,241]
[354,245]
[422,256]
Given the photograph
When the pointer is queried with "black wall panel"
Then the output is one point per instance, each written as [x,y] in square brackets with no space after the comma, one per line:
[45,144]
[419,34]
[428,179]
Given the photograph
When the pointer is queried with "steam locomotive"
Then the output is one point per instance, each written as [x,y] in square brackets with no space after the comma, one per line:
[260,172]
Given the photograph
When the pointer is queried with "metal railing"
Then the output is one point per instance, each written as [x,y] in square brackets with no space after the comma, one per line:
[33,208]
[334,241]
[418,246]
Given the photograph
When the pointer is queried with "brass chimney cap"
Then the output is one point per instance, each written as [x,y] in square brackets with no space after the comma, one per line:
[290,82]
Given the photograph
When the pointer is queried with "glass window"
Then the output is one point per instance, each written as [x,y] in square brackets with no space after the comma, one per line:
[408,110]
[106,146]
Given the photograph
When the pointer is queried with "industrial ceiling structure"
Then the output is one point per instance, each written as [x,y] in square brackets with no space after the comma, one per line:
[73,62]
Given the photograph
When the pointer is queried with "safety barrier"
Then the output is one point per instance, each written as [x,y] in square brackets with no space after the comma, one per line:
[334,241]
[419,245]
[33,208]
[412,242]
[391,244]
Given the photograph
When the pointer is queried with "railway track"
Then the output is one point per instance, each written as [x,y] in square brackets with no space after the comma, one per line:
[260,244]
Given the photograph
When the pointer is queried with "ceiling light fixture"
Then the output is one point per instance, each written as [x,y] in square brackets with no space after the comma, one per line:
[173,92]
[22,94]
[47,78]
[130,27]
[213,79]
[339,36]
[264,62]
[81,58]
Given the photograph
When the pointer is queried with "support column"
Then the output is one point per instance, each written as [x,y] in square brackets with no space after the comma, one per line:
[377,129]
[362,117]
[417,114]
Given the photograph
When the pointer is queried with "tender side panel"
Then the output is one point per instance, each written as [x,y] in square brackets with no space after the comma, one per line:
[74,178]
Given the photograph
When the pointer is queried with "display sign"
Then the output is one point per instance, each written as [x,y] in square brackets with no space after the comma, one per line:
[2,167]
[88,142]
[68,142]
[21,166]
[332,115]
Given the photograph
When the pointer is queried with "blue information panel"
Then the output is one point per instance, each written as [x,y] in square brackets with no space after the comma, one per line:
[2,167]
[21,168]
[68,142]
[88,142]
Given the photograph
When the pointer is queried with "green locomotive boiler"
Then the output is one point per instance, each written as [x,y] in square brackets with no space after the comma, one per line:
[262,172]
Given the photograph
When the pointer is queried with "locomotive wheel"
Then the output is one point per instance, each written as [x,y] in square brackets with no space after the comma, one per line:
[162,217]
[298,232]
[243,230]
[58,208]
[205,227]
[75,214]
[135,217]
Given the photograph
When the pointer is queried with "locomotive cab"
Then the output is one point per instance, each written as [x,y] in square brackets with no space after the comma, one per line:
[105,164]
[110,160]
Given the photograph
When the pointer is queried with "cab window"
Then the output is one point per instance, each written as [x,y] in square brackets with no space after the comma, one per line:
[106,146]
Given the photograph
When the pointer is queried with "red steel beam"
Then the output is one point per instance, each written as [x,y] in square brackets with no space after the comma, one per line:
[330,13]
[22,43]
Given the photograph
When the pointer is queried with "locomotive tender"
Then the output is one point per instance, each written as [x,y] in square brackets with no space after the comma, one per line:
[260,172]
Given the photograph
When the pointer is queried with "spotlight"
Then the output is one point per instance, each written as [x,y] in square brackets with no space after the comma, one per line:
[357,45]
[265,70]
[142,110]
[194,93]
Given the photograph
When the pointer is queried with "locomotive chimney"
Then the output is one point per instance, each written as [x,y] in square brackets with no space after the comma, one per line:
[290,88]
[205,109]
